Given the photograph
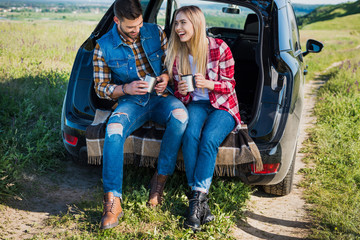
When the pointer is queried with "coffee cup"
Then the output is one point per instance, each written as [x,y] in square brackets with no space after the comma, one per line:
[151,81]
[190,81]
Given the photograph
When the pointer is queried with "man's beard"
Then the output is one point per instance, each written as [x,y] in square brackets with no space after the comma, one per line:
[128,33]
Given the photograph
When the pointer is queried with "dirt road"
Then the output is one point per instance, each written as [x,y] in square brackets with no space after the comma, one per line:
[283,218]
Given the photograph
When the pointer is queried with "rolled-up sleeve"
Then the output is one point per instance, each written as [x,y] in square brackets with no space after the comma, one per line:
[226,82]
[102,75]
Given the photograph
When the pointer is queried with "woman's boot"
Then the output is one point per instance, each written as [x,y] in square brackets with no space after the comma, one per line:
[195,211]
[207,217]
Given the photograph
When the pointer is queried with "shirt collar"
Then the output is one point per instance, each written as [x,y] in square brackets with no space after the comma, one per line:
[118,39]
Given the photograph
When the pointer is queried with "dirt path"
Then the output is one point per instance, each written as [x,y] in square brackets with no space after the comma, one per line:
[27,216]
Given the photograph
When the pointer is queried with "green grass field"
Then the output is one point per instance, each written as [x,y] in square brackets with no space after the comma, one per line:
[36,59]
[332,186]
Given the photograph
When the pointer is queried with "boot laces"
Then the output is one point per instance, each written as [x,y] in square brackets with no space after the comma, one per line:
[110,205]
[195,207]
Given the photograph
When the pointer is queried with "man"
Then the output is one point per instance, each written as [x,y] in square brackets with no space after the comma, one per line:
[123,57]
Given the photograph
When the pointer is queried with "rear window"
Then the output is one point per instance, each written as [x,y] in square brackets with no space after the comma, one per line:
[213,11]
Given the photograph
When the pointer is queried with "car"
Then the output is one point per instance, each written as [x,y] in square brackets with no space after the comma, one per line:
[269,72]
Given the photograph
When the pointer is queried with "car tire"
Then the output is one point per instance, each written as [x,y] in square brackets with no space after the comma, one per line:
[285,186]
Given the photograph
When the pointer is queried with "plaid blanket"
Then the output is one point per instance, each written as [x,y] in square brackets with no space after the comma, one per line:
[143,145]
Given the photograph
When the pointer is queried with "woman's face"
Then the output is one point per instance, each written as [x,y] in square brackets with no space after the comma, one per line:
[183,27]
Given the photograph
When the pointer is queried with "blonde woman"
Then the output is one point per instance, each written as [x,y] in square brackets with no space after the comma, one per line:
[212,106]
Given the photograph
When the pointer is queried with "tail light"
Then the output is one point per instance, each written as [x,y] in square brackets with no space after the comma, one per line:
[269,168]
[72,140]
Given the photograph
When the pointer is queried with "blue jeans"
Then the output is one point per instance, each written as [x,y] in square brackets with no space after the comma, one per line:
[207,129]
[129,116]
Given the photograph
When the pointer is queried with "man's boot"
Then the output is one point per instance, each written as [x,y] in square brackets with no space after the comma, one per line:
[112,211]
[195,211]
[157,185]
[207,217]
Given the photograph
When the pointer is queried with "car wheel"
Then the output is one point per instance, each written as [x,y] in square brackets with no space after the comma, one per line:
[285,186]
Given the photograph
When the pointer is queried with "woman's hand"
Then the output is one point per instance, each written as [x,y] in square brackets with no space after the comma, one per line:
[201,82]
[183,87]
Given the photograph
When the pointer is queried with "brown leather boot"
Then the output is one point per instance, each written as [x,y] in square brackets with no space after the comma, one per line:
[157,185]
[112,211]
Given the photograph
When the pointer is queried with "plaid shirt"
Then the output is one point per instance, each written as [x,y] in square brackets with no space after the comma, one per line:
[102,73]
[220,69]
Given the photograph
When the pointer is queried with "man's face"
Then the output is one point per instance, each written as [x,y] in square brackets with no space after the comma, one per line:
[129,29]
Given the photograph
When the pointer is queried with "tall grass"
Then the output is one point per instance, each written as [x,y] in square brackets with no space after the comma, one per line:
[334,144]
[35,59]
[340,37]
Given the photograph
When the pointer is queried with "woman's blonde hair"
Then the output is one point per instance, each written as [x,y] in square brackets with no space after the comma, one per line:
[198,44]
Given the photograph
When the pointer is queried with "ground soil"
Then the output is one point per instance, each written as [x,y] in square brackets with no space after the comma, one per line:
[266,217]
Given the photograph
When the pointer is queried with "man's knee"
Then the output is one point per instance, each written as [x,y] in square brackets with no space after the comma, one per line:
[180,114]
[114,128]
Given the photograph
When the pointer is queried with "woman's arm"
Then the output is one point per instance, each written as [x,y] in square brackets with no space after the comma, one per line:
[226,82]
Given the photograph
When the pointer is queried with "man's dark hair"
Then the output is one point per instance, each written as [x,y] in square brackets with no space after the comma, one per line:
[129,9]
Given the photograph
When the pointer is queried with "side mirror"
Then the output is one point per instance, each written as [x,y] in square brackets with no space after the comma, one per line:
[232,9]
[313,46]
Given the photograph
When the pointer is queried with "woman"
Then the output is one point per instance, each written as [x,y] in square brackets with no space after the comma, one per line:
[212,107]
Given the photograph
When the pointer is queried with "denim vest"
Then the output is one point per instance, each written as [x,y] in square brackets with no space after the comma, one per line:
[121,60]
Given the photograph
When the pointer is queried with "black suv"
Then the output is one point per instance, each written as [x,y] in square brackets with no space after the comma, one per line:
[269,71]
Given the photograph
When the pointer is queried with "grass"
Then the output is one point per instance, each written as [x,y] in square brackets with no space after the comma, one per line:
[330,12]
[165,222]
[339,43]
[36,60]
[32,16]
[332,186]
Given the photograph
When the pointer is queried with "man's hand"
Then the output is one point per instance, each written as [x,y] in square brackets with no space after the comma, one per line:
[162,80]
[136,87]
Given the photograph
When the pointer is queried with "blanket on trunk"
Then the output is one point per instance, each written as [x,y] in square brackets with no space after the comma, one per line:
[143,145]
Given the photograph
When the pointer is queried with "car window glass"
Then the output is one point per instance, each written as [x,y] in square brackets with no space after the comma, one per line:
[294,29]
[213,14]
[161,15]
[144,4]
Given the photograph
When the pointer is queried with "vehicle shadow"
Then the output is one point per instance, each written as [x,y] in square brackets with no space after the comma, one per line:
[262,234]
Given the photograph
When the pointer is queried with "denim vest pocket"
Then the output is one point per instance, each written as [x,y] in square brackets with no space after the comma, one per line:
[156,55]
[119,67]
[155,60]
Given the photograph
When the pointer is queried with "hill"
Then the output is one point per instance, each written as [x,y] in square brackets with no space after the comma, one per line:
[330,12]
[303,9]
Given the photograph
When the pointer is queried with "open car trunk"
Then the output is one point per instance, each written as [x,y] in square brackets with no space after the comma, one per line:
[244,45]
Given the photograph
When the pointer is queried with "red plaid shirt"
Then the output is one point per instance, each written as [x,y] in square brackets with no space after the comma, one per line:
[220,69]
